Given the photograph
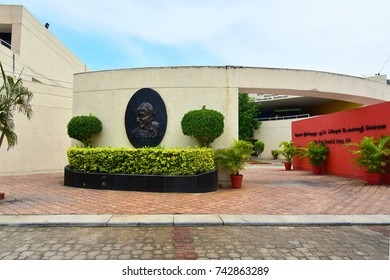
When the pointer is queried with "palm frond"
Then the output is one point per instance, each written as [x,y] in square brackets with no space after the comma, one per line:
[10,135]
[371,153]
[13,97]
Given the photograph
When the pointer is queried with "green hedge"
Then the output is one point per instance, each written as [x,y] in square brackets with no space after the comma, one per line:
[155,161]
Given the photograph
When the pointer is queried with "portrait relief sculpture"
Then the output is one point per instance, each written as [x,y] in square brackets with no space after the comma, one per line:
[146,126]
[145,118]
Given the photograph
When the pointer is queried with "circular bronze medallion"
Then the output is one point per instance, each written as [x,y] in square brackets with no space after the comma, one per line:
[145,118]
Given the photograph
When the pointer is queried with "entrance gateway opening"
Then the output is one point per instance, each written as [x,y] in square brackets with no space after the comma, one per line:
[283,106]
[291,93]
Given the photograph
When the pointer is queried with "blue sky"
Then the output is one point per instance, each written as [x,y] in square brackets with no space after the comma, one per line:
[342,36]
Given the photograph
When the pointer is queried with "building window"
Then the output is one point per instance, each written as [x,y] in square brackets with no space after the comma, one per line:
[6,35]
[6,39]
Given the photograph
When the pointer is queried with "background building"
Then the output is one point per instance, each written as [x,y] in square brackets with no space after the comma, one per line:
[47,68]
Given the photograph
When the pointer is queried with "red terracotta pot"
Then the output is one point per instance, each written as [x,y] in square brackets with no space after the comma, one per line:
[236,181]
[1,195]
[287,165]
[373,178]
[317,169]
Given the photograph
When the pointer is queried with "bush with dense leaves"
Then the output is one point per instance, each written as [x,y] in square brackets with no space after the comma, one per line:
[83,127]
[234,158]
[372,153]
[154,161]
[316,153]
[259,146]
[205,125]
[248,111]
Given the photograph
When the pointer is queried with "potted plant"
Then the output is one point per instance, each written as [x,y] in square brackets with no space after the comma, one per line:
[275,154]
[373,155]
[234,159]
[259,147]
[316,154]
[288,151]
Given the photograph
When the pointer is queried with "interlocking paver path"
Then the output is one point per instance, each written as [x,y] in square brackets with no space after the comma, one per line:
[227,243]
[267,189]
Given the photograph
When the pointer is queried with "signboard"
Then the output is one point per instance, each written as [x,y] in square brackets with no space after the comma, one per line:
[264,97]
[338,129]
[338,135]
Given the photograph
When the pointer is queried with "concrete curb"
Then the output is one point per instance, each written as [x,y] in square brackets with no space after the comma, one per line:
[192,220]
[296,220]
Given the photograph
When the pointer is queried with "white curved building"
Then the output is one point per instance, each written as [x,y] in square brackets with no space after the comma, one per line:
[106,94]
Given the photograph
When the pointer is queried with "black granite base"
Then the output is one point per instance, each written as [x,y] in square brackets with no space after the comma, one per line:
[200,183]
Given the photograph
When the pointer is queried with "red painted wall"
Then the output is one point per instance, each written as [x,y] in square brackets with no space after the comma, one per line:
[338,129]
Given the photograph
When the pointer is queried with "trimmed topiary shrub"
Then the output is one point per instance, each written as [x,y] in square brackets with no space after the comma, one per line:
[154,161]
[83,127]
[259,147]
[205,125]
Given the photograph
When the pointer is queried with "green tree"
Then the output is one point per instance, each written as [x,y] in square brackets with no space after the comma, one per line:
[13,97]
[247,114]
[83,127]
[205,125]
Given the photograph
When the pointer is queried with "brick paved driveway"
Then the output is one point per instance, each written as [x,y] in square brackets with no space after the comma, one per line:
[267,190]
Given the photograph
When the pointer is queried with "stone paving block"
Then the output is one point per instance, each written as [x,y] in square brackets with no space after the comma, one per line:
[23,220]
[292,220]
[54,220]
[267,219]
[261,219]
[233,219]
[368,219]
[304,219]
[76,220]
[181,220]
[139,220]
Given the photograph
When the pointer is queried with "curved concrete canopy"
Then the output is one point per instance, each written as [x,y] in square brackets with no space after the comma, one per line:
[308,83]
[262,80]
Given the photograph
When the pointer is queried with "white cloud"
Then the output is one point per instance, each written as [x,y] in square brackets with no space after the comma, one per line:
[324,35]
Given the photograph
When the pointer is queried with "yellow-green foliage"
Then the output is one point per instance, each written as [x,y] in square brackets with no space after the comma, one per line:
[155,161]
